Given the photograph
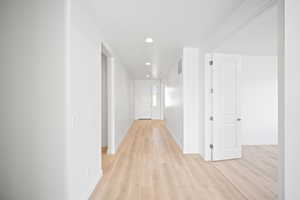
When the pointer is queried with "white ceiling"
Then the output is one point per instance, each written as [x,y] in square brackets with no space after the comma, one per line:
[258,38]
[172,24]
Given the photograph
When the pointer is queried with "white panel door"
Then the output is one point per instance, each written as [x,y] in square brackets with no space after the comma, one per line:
[226,128]
[143,95]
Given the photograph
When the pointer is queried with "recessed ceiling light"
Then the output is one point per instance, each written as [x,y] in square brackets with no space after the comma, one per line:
[148,76]
[147,63]
[149,40]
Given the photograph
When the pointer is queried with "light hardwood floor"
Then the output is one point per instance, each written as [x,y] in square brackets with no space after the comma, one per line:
[150,166]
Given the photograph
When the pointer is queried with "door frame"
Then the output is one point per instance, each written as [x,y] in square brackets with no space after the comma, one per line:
[226,32]
[208,136]
[110,102]
[136,117]
[152,82]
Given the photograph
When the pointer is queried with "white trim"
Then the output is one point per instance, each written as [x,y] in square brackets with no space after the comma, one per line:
[100,174]
[176,139]
[111,107]
[111,99]
[207,107]
[94,185]
[281,99]
[162,99]
[68,116]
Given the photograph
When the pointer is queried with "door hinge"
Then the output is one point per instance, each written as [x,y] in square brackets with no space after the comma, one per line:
[211,90]
[211,62]
[211,118]
[211,146]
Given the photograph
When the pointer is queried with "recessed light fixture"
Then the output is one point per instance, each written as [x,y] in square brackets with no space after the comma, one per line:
[147,63]
[149,40]
[148,76]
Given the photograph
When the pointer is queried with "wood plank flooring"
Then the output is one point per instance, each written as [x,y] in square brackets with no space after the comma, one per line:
[150,166]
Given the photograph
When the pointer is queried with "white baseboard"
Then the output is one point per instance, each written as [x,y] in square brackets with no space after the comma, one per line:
[176,139]
[94,184]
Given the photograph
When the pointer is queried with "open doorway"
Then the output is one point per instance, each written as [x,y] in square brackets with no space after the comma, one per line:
[148,100]
[242,107]
[104,105]
[107,145]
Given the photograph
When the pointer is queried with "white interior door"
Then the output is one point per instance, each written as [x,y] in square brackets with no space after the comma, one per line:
[143,99]
[226,112]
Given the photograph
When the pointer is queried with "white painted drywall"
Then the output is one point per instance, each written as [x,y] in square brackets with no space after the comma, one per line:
[123,102]
[84,102]
[201,89]
[259,100]
[260,32]
[190,69]
[183,109]
[173,105]
[290,89]
[32,109]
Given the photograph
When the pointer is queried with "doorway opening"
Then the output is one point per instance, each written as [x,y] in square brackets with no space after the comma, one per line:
[107,144]
[104,104]
[148,98]
[241,120]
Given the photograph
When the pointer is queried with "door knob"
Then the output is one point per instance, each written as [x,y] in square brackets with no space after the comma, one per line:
[239,119]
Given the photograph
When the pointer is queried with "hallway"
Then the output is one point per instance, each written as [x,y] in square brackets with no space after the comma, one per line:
[150,100]
[150,166]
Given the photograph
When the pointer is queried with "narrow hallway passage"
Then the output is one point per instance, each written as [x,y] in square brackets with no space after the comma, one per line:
[150,166]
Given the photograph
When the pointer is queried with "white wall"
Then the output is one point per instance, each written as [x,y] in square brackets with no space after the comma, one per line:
[32,109]
[123,102]
[191,75]
[184,109]
[260,32]
[289,104]
[259,100]
[83,93]
[173,105]
[84,100]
